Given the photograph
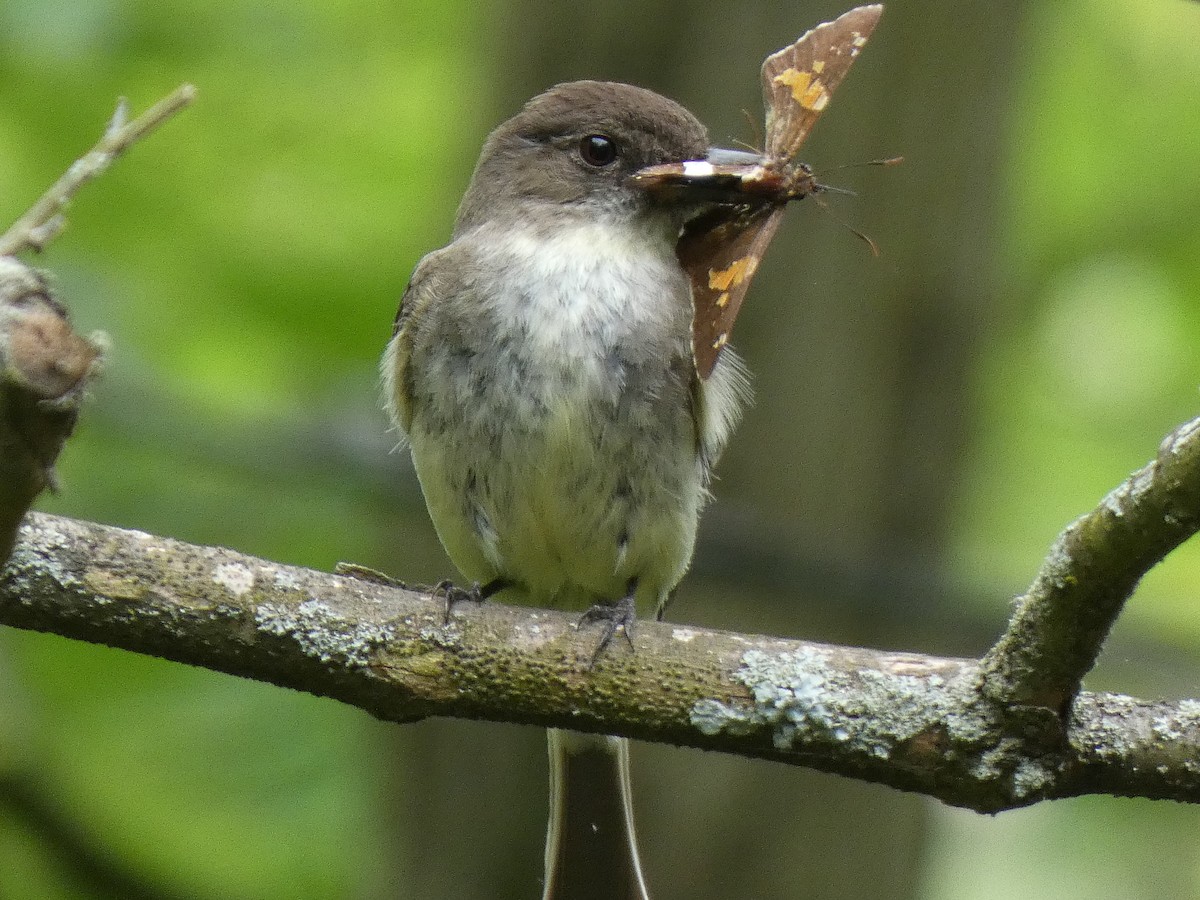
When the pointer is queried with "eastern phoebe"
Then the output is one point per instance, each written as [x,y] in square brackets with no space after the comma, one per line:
[561,373]
[542,371]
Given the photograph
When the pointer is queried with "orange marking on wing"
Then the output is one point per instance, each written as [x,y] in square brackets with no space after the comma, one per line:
[816,97]
[737,272]
[798,81]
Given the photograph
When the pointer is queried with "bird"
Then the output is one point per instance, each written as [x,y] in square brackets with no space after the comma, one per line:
[542,373]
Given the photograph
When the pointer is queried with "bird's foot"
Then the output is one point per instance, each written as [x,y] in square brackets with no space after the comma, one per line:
[615,617]
[476,594]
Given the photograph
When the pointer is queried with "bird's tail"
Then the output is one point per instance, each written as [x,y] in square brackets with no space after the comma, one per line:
[591,847]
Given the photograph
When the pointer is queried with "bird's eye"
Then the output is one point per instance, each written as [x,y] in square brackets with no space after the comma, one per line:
[598,150]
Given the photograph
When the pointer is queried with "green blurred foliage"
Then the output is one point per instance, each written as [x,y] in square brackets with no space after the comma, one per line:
[246,262]
[1098,360]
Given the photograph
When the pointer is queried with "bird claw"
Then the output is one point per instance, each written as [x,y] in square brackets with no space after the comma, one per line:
[618,616]
[476,593]
[454,595]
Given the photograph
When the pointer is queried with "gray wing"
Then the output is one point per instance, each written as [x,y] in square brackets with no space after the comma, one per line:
[397,378]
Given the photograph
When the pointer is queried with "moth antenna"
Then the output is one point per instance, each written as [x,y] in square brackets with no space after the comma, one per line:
[831,189]
[865,238]
[861,235]
[890,161]
[758,133]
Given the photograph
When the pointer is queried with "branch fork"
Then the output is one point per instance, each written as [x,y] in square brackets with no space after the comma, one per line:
[1005,731]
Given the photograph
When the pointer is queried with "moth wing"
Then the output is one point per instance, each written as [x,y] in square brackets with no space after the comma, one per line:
[720,254]
[799,80]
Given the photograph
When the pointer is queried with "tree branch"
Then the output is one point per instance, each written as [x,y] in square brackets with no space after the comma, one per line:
[1006,731]
[949,728]
[44,370]
[1060,624]
[44,366]
[45,221]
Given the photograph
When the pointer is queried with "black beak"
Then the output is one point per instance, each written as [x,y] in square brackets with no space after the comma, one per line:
[720,156]
[722,176]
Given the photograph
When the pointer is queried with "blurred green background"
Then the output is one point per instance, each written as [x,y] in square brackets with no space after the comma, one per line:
[925,422]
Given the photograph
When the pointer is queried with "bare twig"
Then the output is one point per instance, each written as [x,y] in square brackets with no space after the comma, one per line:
[44,220]
[44,366]
[1060,624]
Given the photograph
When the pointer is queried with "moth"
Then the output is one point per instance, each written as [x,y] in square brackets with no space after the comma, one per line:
[722,250]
